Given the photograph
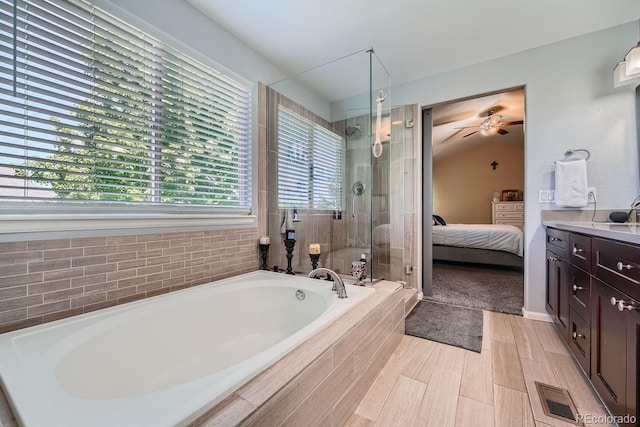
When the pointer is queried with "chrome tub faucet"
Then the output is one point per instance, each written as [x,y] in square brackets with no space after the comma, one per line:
[338,283]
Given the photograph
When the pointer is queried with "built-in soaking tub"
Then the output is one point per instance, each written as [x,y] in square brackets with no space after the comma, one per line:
[165,360]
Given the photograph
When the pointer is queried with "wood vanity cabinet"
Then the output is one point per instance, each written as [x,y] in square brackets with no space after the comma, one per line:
[616,325]
[557,298]
[602,293]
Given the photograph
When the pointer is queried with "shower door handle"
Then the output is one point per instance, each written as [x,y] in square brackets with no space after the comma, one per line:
[353,207]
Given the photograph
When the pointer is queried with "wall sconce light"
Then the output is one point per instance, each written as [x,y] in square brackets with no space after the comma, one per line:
[621,78]
[627,72]
[632,60]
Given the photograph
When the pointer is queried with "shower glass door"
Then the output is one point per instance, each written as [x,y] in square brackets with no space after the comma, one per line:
[354,224]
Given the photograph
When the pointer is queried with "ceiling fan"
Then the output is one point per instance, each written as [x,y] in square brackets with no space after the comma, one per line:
[491,125]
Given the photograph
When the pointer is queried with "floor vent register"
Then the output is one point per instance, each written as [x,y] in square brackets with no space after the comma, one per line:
[557,403]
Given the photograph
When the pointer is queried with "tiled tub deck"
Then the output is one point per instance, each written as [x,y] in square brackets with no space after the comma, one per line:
[322,381]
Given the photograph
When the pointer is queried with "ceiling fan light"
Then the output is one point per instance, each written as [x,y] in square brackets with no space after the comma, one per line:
[621,78]
[494,119]
[632,61]
[491,130]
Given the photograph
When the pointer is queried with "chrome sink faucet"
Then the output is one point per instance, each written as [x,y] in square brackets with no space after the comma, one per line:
[338,283]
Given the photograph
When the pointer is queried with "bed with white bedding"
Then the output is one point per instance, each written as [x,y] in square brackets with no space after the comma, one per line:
[497,244]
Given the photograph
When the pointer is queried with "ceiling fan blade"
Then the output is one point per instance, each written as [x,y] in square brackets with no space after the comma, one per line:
[469,134]
[502,131]
[468,127]
[452,118]
[515,122]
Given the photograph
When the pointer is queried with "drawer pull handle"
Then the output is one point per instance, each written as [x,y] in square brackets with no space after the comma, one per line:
[577,288]
[621,304]
[622,266]
[555,239]
[577,335]
[623,307]
[553,258]
[577,250]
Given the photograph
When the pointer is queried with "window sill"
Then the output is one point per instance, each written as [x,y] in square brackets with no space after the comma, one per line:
[12,227]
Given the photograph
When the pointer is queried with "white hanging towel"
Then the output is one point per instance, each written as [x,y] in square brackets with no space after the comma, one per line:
[287,221]
[571,184]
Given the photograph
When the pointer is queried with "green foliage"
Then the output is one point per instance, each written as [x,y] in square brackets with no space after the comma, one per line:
[132,141]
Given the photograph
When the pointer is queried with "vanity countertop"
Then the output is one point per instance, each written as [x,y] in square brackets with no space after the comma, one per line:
[624,232]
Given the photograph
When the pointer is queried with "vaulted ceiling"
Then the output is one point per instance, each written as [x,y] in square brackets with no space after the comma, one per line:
[413,38]
[457,124]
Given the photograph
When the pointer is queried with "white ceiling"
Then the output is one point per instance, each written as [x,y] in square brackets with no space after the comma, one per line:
[413,38]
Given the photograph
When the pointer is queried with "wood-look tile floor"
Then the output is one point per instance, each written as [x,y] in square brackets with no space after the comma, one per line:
[431,384]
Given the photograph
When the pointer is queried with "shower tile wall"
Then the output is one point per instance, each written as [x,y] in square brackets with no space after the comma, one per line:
[342,240]
[315,225]
[403,170]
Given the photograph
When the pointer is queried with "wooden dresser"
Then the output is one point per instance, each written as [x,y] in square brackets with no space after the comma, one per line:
[511,213]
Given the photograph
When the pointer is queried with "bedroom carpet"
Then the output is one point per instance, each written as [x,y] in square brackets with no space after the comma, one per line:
[447,324]
[478,286]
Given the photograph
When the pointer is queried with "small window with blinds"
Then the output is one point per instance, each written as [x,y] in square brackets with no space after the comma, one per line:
[310,163]
[96,111]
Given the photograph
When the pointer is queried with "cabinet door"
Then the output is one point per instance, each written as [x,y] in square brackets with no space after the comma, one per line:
[552,284]
[633,375]
[609,347]
[558,292]
[580,340]
[580,292]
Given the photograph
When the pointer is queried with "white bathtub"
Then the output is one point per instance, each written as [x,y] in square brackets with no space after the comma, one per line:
[165,360]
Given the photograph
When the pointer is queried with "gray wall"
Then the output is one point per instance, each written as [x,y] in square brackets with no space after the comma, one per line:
[570,103]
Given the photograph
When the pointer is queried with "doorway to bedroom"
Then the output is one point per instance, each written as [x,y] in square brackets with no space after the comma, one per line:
[477,164]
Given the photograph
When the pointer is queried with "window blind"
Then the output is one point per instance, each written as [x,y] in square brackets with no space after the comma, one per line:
[310,163]
[95,110]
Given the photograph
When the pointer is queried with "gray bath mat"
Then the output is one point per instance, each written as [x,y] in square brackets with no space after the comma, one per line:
[447,324]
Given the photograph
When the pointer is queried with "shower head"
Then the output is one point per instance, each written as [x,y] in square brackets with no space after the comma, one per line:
[353,130]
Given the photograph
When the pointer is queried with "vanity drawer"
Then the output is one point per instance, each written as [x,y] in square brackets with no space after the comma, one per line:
[580,251]
[558,242]
[617,264]
[580,340]
[580,291]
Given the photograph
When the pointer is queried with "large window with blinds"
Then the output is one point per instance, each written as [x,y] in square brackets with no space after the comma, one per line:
[95,111]
[310,163]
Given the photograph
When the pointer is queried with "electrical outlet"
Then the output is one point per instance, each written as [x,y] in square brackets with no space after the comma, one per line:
[591,191]
[545,196]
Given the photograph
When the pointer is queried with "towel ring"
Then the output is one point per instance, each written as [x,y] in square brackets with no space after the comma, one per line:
[571,152]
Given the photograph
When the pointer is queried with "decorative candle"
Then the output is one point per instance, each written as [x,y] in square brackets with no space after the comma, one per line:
[314,249]
[264,240]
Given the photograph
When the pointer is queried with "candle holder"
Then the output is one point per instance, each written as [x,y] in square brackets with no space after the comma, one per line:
[289,244]
[264,253]
[314,260]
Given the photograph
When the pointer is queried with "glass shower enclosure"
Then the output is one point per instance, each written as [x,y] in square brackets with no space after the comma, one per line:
[349,126]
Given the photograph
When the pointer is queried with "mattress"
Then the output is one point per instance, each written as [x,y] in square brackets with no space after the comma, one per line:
[498,237]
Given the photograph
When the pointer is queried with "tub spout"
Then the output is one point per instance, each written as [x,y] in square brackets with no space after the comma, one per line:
[338,283]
